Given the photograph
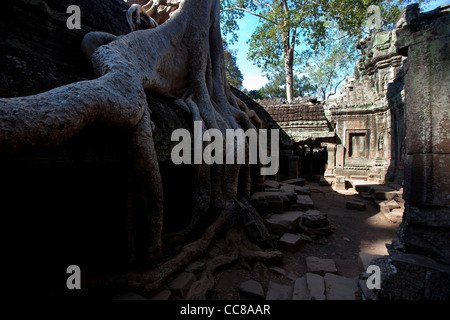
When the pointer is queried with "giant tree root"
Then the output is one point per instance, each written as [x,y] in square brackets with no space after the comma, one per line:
[238,247]
[180,59]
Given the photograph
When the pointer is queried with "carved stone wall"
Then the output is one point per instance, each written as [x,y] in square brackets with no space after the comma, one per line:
[362,115]
[418,265]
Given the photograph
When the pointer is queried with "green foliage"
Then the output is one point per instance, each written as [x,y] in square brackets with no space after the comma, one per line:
[276,87]
[233,74]
[325,32]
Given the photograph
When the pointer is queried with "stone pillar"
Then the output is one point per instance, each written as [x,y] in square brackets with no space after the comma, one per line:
[299,162]
[311,160]
[331,162]
[339,183]
[421,255]
[340,152]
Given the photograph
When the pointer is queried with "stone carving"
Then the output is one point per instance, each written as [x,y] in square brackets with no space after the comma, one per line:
[361,111]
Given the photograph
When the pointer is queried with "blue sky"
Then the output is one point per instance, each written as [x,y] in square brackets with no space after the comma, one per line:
[253,78]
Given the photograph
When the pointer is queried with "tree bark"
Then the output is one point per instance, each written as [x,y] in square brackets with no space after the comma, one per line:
[289,71]
[181,59]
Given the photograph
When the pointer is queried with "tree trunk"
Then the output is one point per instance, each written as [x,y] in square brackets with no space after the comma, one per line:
[289,73]
[183,60]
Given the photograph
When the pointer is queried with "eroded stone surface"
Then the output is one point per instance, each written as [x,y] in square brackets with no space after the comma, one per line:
[320,266]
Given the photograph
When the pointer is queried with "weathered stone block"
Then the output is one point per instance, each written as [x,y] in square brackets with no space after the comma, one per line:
[252,288]
[316,286]
[305,202]
[290,242]
[301,291]
[284,222]
[296,189]
[277,291]
[314,219]
[394,215]
[340,288]
[320,266]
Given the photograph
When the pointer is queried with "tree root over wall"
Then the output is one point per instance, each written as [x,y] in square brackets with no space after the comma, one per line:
[181,59]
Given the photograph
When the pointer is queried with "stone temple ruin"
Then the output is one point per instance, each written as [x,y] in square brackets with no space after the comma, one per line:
[385,136]
[389,125]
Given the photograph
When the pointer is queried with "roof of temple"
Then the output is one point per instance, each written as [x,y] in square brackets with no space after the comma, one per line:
[303,122]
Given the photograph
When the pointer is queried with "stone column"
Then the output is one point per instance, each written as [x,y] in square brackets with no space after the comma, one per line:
[421,255]
[331,162]
[340,152]
[311,161]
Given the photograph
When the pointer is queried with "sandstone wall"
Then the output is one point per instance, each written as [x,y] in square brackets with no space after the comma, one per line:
[366,128]
[418,266]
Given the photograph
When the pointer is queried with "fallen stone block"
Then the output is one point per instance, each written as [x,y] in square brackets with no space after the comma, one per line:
[356,205]
[392,204]
[277,291]
[296,189]
[313,219]
[252,288]
[314,232]
[316,286]
[394,215]
[300,290]
[297,181]
[305,202]
[365,195]
[290,242]
[340,288]
[284,222]
[269,202]
[320,266]
[363,188]
[384,195]
[182,283]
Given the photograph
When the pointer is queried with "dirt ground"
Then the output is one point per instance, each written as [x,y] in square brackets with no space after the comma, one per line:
[356,231]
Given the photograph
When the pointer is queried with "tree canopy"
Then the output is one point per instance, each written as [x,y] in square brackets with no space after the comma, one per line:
[315,38]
